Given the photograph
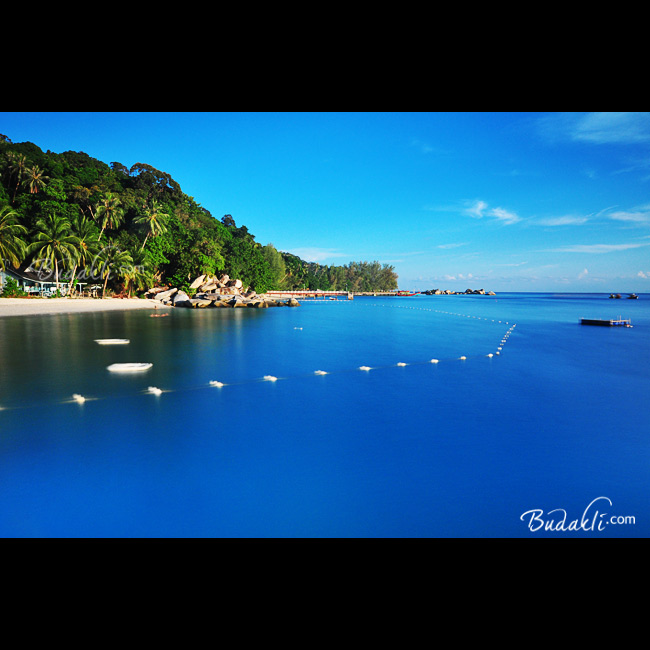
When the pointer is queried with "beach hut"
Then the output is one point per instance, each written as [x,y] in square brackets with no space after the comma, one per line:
[33,282]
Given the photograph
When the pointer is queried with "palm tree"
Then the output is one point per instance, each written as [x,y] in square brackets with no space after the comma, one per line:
[54,242]
[35,179]
[86,232]
[139,275]
[17,166]
[112,259]
[12,244]
[109,212]
[155,218]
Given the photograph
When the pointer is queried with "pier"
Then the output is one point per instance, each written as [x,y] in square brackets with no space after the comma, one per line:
[310,293]
[622,322]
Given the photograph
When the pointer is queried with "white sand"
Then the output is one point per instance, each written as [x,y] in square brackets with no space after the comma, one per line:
[40,306]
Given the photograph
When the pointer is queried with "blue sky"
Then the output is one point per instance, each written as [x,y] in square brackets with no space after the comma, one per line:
[507,201]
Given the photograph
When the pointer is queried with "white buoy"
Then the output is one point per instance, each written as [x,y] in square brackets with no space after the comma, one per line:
[153,390]
[270,378]
[365,368]
[216,383]
[80,399]
[401,363]
[434,361]
[490,355]
[319,372]
[463,358]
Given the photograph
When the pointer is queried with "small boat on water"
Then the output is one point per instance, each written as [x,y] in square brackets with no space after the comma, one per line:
[129,367]
[112,341]
[407,293]
[633,296]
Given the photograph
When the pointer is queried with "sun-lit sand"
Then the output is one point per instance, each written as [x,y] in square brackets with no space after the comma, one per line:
[44,306]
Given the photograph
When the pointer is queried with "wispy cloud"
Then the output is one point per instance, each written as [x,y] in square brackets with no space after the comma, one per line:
[480,209]
[637,216]
[449,246]
[568,220]
[594,248]
[597,127]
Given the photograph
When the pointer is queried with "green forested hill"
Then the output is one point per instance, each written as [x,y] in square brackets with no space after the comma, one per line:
[133,228]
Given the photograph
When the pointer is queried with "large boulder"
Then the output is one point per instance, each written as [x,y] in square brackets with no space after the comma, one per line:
[165,295]
[181,299]
[198,282]
[200,303]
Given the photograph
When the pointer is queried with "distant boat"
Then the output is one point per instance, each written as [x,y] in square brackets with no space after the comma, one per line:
[112,341]
[407,293]
[633,296]
[612,295]
[129,367]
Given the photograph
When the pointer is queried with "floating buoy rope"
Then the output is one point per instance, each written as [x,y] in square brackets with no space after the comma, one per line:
[153,390]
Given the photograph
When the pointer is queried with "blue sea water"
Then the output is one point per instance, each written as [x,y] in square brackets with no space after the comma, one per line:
[556,425]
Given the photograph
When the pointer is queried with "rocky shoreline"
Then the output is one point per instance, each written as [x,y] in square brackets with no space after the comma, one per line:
[447,292]
[210,292]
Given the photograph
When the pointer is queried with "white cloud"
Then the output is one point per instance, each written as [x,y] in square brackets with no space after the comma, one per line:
[479,209]
[583,274]
[597,127]
[562,221]
[644,274]
[594,248]
[635,217]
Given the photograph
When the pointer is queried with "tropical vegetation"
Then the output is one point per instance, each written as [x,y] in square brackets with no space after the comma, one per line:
[130,228]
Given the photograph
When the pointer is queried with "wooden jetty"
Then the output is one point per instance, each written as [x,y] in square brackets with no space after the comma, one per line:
[622,322]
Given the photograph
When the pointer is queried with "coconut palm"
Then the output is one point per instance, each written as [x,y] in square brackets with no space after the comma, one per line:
[17,165]
[156,220]
[12,244]
[88,247]
[109,213]
[139,275]
[114,261]
[35,179]
[54,243]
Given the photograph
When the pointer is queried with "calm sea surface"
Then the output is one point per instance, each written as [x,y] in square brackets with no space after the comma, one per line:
[558,420]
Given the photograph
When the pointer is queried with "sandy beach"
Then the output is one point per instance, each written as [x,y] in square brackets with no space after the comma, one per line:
[46,306]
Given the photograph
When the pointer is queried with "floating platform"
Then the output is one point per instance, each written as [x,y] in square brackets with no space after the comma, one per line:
[622,322]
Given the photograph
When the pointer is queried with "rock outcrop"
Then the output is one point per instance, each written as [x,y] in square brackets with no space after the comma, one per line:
[216,292]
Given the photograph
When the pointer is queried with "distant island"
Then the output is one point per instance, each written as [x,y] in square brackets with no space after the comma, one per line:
[73,225]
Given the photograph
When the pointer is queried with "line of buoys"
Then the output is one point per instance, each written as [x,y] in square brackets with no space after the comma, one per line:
[80,399]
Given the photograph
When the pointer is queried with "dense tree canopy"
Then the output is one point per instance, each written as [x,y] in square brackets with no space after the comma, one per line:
[133,227]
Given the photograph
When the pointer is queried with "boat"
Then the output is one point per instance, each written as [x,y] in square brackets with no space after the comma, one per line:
[633,296]
[129,367]
[112,341]
[611,295]
[407,293]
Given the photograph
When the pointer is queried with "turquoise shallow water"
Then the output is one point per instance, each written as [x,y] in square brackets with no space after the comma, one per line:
[460,448]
